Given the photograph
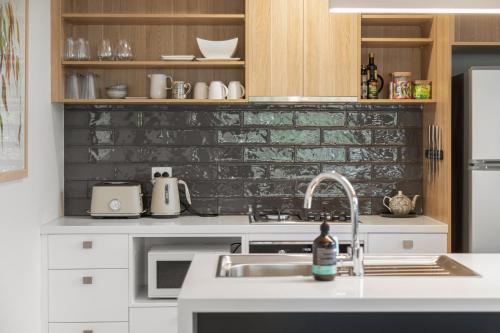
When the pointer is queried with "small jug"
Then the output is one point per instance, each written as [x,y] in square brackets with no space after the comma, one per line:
[400,204]
[181,89]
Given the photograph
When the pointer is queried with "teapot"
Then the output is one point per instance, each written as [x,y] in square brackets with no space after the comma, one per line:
[400,204]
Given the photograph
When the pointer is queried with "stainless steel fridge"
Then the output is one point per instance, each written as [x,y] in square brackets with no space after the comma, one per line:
[476,161]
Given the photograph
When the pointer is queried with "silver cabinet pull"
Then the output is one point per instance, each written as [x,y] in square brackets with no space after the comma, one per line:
[88,331]
[87,244]
[87,280]
[407,244]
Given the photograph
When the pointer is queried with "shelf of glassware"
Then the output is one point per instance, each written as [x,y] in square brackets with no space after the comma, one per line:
[152,19]
[154,64]
[153,101]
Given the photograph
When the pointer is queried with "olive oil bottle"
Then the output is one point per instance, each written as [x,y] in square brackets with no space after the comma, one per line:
[325,249]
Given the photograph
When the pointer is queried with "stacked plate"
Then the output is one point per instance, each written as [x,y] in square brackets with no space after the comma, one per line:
[177,57]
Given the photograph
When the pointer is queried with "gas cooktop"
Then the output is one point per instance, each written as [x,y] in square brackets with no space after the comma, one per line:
[297,217]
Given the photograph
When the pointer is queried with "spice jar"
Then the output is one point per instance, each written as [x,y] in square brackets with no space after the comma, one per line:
[422,89]
[402,85]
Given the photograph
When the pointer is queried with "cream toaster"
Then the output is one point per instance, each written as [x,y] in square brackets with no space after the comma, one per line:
[116,199]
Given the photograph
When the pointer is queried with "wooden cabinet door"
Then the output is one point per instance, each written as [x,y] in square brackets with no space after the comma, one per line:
[331,51]
[275,47]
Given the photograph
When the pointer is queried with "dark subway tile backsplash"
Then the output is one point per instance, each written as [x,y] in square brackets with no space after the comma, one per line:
[233,156]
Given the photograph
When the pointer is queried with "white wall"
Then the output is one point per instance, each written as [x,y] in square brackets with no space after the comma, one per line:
[26,204]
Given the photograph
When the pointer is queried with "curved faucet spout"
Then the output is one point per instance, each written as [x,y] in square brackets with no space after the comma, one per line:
[356,249]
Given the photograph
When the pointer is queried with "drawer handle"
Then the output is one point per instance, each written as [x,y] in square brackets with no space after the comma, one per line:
[88,331]
[87,280]
[408,244]
[87,245]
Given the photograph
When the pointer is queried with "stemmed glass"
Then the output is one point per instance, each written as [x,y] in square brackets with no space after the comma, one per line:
[105,51]
[124,50]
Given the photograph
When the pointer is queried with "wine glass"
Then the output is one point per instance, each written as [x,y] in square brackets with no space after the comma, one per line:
[124,51]
[82,49]
[70,49]
[105,51]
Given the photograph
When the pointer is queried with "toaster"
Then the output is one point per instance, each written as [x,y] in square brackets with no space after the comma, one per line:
[116,199]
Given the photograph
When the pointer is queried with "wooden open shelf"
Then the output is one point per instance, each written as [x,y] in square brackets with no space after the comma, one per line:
[395,19]
[152,19]
[153,28]
[396,42]
[400,43]
[398,101]
[153,64]
[152,101]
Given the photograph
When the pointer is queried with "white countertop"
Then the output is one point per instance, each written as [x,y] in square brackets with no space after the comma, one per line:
[204,292]
[234,224]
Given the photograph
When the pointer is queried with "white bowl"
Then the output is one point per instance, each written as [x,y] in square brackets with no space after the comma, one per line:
[116,94]
[212,49]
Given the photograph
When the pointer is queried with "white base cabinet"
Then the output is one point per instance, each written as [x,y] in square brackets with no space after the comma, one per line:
[88,295]
[88,328]
[153,320]
[407,243]
[92,279]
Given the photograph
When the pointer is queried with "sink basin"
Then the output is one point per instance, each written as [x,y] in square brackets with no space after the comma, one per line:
[241,266]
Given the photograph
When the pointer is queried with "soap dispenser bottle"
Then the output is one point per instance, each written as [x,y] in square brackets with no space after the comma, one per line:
[325,249]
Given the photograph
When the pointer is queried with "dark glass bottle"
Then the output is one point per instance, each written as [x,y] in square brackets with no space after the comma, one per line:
[364,82]
[325,250]
[373,86]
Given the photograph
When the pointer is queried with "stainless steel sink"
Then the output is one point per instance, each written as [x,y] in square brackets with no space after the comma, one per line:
[240,266]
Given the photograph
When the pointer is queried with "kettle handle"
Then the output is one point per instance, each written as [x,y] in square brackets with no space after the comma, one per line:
[188,196]
[386,205]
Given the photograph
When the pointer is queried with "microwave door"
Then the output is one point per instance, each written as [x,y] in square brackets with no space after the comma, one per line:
[170,277]
[166,273]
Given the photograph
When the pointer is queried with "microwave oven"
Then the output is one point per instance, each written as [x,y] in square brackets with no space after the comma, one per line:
[169,265]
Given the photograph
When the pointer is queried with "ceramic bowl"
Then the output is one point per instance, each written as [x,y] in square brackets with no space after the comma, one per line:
[223,49]
[116,93]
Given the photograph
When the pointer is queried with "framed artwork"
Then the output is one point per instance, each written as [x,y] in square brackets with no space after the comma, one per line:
[13,89]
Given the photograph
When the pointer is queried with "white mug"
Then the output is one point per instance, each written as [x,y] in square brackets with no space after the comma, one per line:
[159,85]
[201,90]
[236,90]
[217,90]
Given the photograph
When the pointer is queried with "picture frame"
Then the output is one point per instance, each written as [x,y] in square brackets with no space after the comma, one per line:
[14,89]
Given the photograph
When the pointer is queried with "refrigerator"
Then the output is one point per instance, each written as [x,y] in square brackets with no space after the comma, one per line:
[476,161]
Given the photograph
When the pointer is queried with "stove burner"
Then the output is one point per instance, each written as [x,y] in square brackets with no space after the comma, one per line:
[283,217]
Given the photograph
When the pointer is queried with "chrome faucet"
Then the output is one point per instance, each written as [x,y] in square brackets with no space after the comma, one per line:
[356,251]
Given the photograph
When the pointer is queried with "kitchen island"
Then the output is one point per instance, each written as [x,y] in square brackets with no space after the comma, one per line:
[292,304]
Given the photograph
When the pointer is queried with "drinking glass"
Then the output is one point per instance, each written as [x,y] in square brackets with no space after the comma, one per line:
[73,86]
[105,51]
[83,49]
[124,50]
[89,86]
[70,49]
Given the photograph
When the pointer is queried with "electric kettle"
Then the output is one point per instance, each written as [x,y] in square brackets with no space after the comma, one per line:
[165,201]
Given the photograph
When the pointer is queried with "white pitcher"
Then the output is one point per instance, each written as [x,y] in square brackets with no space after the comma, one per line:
[159,85]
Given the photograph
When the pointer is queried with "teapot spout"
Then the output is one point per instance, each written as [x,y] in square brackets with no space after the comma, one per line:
[414,202]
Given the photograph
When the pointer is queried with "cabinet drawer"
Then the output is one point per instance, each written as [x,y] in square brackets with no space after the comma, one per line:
[407,243]
[89,328]
[88,295]
[153,320]
[88,251]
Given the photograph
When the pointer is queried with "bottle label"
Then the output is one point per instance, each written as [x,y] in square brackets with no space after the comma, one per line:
[325,259]
[324,270]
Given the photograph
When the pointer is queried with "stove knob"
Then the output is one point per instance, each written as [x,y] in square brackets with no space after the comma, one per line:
[342,217]
[282,252]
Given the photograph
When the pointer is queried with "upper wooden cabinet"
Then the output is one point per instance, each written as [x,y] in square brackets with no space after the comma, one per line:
[275,47]
[331,51]
[298,48]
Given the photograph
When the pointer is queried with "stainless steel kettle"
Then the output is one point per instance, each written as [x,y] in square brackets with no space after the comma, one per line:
[165,201]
